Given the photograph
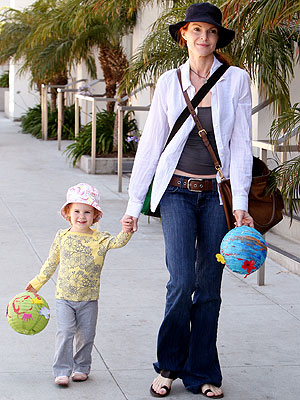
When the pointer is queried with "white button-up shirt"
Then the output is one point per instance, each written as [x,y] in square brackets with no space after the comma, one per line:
[231,115]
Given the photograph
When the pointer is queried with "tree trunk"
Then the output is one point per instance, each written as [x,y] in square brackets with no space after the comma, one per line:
[61,79]
[53,100]
[110,82]
[114,63]
[115,134]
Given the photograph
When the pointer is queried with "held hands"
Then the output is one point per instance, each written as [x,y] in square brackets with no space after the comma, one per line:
[129,223]
[30,288]
[243,218]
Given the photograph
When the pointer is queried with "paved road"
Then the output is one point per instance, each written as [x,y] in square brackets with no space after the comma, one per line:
[259,334]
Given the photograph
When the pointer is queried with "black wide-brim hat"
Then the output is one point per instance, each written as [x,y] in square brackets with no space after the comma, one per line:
[204,12]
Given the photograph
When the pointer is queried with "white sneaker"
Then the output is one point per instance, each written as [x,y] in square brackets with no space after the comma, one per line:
[62,380]
[79,376]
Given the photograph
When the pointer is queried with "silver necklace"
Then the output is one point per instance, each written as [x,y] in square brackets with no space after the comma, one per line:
[200,76]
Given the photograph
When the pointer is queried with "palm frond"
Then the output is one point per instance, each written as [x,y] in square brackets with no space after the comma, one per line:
[287,176]
[158,52]
[286,122]
[117,8]
[264,15]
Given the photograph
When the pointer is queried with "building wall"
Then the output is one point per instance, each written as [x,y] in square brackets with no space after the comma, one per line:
[4,68]
[21,96]
[98,88]
[144,21]
[262,121]
[4,3]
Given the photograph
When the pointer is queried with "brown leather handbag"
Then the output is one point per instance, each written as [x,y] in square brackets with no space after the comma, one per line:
[264,206]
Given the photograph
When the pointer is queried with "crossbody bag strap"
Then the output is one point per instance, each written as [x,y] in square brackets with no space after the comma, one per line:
[199,96]
[201,131]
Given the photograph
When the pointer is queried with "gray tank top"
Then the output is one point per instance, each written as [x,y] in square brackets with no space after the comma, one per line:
[195,158]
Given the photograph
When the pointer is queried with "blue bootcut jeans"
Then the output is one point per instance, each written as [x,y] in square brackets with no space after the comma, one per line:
[194,225]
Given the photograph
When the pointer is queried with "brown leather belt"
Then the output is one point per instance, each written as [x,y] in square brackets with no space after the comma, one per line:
[192,184]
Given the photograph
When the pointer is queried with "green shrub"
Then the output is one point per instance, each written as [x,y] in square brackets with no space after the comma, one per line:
[31,122]
[104,136]
[4,80]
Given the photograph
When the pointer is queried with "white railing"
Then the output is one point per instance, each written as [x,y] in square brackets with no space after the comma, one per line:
[120,111]
[44,104]
[61,89]
[93,100]
[60,92]
[98,98]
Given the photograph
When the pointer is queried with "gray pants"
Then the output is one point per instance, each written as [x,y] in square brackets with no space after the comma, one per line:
[75,319]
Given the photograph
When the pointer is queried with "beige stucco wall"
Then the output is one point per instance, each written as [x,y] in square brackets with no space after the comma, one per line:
[4,3]
[81,72]
[262,121]
[21,96]
[145,20]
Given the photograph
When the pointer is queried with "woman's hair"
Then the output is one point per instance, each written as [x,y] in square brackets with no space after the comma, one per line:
[68,218]
[181,41]
[224,59]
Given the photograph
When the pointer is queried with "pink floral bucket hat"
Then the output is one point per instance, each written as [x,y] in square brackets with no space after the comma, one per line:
[85,194]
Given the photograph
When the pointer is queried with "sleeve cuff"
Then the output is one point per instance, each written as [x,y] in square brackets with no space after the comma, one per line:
[36,284]
[240,203]
[134,209]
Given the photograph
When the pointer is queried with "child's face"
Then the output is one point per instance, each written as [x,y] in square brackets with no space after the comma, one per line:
[82,216]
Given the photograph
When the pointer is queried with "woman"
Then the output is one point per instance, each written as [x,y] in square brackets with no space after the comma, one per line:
[185,186]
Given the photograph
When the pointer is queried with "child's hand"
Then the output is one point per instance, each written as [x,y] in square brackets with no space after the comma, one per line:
[131,221]
[127,224]
[30,288]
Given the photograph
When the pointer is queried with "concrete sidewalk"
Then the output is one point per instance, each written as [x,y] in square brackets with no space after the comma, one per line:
[259,330]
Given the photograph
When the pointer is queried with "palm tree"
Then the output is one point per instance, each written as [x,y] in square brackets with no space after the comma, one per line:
[54,35]
[287,174]
[279,20]
[83,27]
[16,30]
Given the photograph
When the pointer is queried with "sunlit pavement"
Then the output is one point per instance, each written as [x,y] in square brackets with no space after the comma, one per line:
[259,340]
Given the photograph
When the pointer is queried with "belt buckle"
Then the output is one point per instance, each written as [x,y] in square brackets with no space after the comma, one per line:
[189,184]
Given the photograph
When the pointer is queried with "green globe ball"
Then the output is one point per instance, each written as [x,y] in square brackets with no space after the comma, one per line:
[28,313]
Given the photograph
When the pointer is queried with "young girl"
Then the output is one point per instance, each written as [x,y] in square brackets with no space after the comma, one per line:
[80,251]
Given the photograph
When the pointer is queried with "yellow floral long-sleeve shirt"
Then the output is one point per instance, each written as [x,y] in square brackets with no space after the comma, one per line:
[81,257]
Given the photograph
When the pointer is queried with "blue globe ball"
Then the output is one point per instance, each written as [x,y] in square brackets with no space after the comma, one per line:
[244,250]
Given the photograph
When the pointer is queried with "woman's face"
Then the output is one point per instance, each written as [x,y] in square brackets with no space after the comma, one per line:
[201,38]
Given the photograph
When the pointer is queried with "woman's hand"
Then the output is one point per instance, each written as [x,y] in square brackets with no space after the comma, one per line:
[133,222]
[30,288]
[243,218]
